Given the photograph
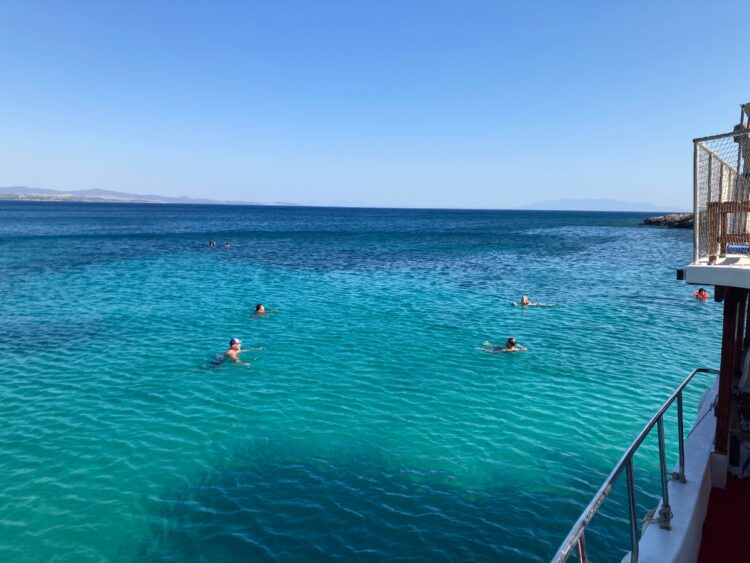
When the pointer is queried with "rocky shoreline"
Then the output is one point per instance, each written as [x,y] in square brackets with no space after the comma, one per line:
[672,221]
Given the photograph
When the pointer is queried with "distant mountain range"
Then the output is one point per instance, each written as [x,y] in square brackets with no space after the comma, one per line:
[95,195]
[24,193]
[595,205]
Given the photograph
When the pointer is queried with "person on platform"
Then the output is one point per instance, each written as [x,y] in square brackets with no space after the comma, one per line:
[744,142]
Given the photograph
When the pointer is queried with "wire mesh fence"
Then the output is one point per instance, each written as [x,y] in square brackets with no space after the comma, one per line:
[722,195]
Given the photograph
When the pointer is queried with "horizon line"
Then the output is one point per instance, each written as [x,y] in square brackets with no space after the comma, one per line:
[335,206]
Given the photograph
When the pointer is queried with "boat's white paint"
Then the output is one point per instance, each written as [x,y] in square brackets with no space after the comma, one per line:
[731,271]
[689,501]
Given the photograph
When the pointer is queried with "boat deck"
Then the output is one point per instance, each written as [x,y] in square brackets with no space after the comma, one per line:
[727,524]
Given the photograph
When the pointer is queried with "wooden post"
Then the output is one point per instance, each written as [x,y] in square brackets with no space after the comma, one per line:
[740,335]
[728,362]
[713,231]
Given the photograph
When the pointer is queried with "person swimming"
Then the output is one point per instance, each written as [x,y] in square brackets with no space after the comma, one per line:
[525,302]
[233,354]
[234,351]
[511,345]
[259,310]
[212,244]
[702,294]
[227,245]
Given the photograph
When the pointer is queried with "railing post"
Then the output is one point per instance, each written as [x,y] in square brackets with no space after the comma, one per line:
[709,175]
[576,540]
[583,557]
[680,475]
[665,514]
[696,204]
[711,242]
[632,511]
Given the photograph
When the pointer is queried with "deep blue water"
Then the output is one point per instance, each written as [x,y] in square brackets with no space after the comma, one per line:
[368,424]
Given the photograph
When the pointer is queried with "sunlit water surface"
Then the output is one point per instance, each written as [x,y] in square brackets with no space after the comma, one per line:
[370,426]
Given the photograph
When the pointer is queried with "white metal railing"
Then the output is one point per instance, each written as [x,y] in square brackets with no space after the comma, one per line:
[576,538]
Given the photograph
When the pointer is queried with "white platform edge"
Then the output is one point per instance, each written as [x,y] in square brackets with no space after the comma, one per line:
[733,271]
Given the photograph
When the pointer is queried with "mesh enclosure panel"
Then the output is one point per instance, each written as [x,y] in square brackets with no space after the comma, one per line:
[722,196]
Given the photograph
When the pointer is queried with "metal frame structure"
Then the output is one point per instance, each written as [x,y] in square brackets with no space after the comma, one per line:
[576,539]
[714,220]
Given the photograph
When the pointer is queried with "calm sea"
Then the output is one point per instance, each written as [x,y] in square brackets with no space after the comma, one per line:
[369,427]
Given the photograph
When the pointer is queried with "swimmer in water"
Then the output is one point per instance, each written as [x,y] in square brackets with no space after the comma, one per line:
[259,310]
[510,346]
[702,294]
[234,351]
[526,303]
[227,245]
[212,244]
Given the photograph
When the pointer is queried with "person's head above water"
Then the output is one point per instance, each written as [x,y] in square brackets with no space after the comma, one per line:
[234,351]
[510,343]
[524,300]
[259,308]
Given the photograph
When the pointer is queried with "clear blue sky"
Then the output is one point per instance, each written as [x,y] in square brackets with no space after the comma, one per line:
[397,103]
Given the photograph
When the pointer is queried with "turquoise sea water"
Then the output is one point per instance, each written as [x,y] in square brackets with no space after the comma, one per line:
[370,427]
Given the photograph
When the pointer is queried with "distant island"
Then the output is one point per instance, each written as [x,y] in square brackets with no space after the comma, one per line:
[593,205]
[22,193]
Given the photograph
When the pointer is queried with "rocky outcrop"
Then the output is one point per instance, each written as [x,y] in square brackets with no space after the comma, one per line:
[673,221]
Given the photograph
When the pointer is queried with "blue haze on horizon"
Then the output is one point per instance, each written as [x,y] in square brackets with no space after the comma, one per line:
[480,105]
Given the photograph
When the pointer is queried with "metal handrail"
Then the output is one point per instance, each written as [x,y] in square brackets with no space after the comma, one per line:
[721,136]
[576,537]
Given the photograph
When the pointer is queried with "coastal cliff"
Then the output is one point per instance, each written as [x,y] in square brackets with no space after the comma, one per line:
[673,221]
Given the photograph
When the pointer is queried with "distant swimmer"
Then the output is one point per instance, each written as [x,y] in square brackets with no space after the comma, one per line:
[212,244]
[234,351]
[259,310]
[510,346]
[702,294]
[227,245]
[526,303]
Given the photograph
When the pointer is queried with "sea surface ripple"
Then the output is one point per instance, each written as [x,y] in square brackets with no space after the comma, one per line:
[368,425]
